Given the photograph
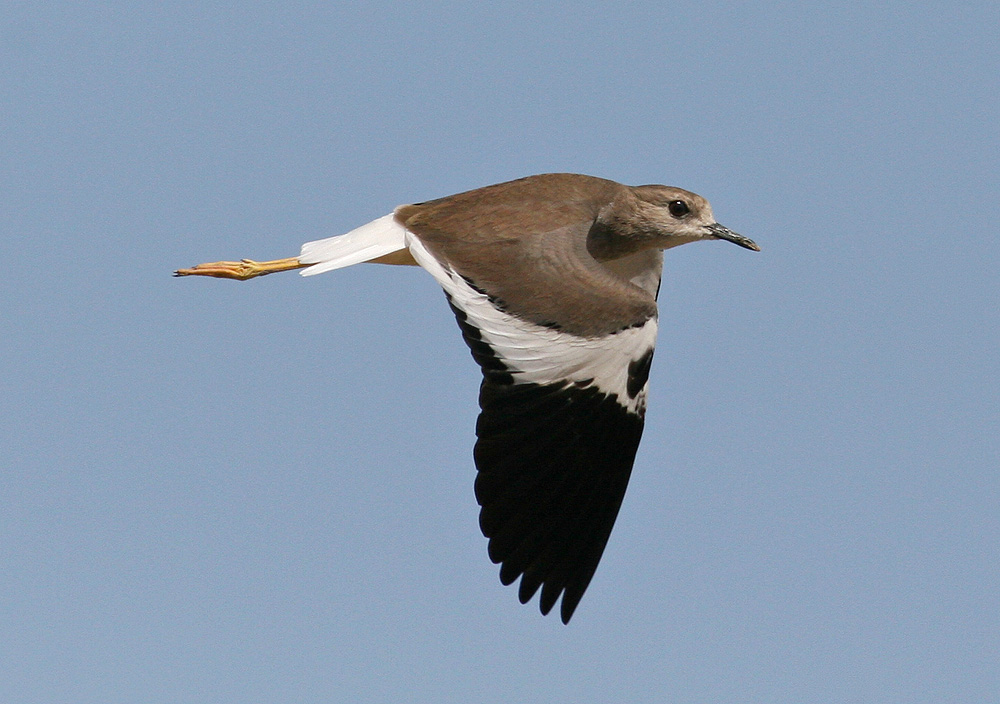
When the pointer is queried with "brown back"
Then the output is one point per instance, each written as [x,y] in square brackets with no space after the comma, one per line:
[524,243]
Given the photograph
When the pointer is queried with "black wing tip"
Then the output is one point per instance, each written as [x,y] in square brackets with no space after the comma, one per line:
[549,597]
[568,608]
[554,462]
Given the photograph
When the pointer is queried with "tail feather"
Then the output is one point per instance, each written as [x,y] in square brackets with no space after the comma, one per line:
[376,239]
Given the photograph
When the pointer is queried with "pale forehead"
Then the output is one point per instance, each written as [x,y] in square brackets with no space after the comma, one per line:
[662,195]
[656,192]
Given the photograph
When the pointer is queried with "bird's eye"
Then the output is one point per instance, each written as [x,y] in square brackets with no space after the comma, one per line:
[678,208]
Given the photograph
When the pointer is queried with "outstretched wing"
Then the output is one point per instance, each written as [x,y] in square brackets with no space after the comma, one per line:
[561,420]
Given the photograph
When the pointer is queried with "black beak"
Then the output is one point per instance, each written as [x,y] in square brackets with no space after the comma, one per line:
[724,233]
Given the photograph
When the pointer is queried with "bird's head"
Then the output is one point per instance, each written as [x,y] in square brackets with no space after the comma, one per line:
[673,216]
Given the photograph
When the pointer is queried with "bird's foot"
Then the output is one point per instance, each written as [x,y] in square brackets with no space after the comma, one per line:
[241,270]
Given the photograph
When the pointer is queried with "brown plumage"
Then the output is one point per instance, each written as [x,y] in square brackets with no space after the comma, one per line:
[553,280]
[515,239]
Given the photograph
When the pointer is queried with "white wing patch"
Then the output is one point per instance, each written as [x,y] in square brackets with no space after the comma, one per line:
[376,239]
[536,354]
[533,354]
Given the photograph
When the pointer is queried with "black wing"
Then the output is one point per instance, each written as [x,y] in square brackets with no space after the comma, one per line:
[554,460]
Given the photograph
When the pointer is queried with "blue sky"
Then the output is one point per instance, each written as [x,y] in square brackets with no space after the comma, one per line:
[262,492]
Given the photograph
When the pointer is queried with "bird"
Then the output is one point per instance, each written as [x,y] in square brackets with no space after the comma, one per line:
[553,280]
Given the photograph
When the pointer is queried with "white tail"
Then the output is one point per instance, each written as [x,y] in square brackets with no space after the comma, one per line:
[376,239]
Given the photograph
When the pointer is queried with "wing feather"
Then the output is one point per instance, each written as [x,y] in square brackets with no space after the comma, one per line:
[561,420]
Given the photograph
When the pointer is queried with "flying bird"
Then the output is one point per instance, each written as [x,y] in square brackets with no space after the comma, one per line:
[553,280]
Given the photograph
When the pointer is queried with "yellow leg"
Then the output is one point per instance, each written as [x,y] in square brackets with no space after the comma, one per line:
[241,270]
